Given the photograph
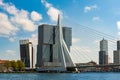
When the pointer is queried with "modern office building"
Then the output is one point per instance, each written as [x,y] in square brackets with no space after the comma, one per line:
[26,53]
[103,53]
[47,51]
[118,45]
[116,54]
[53,47]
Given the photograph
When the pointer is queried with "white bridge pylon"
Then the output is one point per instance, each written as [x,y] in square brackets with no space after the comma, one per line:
[62,47]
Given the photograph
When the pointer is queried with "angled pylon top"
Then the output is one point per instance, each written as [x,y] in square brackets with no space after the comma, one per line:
[59,21]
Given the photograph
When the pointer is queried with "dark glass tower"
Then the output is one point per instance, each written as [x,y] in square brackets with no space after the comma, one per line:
[26,53]
[116,54]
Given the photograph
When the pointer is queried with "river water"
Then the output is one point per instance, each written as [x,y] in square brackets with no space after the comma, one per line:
[60,76]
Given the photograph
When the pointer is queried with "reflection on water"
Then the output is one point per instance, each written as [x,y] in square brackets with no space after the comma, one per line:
[60,76]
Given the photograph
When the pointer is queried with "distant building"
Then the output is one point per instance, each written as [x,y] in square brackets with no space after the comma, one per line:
[85,68]
[118,45]
[26,53]
[47,51]
[103,53]
[91,63]
[116,54]
[3,66]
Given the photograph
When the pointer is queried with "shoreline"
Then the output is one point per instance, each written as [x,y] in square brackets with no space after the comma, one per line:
[59,72]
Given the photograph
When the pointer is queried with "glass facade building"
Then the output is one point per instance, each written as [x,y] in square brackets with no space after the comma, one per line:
[47,51]
[116,54]
[26,53]
[103,53]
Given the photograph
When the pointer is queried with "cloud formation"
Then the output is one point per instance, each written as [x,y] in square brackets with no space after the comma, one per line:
[75,40]
[14,19]
[35,16]
[89,8]
[6,27]
[34,39]
[52,11]
[118,26]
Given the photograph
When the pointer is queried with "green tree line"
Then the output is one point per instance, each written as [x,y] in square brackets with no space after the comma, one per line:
[15,65]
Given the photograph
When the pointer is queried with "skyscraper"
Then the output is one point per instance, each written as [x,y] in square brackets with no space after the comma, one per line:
[118,45]
[53,47]
[26,53]
[116,54]
[47,42]
[103,53]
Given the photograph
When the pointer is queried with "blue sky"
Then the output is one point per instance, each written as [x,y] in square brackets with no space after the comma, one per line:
[19,19]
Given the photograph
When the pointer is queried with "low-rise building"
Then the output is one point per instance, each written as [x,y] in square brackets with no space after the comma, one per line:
[2,66]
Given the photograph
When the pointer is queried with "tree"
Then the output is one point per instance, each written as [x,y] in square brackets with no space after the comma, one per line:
[14,65]
[21,65]
[7,65]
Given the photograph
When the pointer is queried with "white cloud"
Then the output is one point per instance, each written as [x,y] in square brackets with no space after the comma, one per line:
[36,16]
[89,8]
[6,27]
[75,40]
[1,3]
[118,25]
[47,5]
[34,39]
[52,11]
[11,9]
[96,18]
[17,18]
[21,19]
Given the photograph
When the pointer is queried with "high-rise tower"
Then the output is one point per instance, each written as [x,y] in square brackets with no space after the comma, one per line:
[103,53]
[26,53]
[53,48]
[116,54]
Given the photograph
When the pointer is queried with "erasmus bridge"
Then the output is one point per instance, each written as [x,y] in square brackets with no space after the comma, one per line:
[54,52]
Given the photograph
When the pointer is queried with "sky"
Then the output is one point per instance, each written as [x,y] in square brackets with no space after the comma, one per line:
[19,19]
